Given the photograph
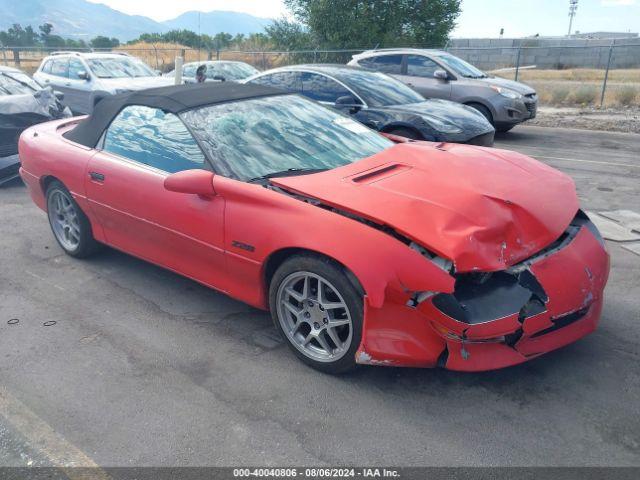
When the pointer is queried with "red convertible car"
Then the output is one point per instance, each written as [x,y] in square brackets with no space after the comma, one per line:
[366,248]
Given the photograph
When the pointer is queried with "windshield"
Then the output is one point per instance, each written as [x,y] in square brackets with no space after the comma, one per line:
[125,67]
[230,71]
[461,67]
[378,89]
[258,137]
[16,83]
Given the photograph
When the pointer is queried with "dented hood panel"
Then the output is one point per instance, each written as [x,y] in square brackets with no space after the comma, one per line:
[485,209]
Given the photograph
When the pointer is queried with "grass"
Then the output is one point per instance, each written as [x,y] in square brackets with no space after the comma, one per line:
[582,86]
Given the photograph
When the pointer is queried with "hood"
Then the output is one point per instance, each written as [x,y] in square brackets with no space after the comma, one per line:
[138,83]
[521,88]
[445,111]
[484,209]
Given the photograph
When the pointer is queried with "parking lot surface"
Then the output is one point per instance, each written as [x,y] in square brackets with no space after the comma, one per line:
[144,367]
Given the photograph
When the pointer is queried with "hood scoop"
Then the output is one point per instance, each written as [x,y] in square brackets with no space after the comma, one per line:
[378,173]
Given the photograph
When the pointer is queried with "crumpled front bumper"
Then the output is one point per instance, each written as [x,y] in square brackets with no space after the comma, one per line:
[542,304]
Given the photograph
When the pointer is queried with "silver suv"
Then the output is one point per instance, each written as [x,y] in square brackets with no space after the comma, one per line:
[438,74]
[85,78]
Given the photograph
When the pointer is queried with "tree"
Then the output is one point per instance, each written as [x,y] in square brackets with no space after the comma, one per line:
[288,35]
[16,36]
[355,23]
[104,42]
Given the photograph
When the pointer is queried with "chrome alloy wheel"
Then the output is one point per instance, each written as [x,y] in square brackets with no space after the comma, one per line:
[314,316]
[64,220]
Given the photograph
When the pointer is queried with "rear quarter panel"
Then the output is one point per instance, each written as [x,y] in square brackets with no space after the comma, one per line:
[44,153]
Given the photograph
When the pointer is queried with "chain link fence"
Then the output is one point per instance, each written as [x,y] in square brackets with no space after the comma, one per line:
[604,75]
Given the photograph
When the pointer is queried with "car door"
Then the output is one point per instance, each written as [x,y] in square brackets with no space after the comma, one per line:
[125,189]
[78,89]
[418,73]
[59,77]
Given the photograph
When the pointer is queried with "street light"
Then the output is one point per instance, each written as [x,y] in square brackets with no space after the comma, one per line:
[573,6]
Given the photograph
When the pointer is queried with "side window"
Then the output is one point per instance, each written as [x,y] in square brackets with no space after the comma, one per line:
[419,66]
[75,66]
[322,89]
[290,81]
[391,64]
[189,71]
[46,68]
[155,138]
[60,67]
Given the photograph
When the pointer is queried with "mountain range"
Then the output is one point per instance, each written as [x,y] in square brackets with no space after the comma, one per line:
[84,20]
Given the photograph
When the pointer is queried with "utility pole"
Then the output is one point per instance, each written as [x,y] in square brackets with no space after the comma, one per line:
[573,6]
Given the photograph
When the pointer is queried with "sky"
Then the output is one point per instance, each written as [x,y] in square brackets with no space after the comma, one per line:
[479,18]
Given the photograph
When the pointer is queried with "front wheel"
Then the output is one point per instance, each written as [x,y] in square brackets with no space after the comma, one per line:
[318,311]
[406,133]
[69,224]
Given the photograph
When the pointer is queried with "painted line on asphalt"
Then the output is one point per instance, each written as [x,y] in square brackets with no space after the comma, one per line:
[579,160]
[43,438]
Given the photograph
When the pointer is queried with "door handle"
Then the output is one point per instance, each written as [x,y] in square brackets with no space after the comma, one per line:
[67,84]
[46,81]
[95,176]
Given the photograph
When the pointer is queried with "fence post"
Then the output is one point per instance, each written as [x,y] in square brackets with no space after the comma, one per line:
[264,60]
[16,57]
[518,61]
[156,54]
[606,74]
[4,56]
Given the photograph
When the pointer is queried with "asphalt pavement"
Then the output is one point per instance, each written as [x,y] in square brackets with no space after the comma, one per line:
[144,367]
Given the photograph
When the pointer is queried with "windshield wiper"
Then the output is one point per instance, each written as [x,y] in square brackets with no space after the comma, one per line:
[287,173]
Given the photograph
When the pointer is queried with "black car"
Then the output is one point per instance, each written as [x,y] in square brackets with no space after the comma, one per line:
[382,103]
[23,103]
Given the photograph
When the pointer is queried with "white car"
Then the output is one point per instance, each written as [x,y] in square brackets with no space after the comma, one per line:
[85,78]
[217,71]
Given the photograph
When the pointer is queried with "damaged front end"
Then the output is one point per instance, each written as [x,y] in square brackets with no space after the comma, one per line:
[496,319]
[17,113]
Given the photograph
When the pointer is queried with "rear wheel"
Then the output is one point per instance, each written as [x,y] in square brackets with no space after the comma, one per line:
[318,311]
[69,224]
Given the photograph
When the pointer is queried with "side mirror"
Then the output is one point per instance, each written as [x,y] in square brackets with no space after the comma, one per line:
[59,95]
[441,75]
[82,75]
[348,101]
[194,182]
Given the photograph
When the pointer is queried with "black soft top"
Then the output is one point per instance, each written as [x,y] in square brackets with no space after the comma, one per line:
[172,99]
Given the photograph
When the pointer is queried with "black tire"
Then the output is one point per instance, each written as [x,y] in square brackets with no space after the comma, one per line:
[484,111]
[406,133]
[86,244]
[334,273]
[504,129]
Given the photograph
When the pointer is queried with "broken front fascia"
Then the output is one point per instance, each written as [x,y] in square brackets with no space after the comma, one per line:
[497,319]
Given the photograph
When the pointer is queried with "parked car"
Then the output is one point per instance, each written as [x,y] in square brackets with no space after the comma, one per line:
[86,78]
[382,103]
[364,250]
[22,103]
[438,74]
[216,71]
